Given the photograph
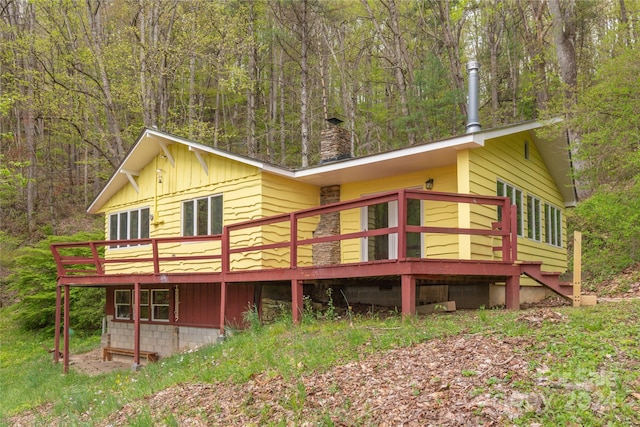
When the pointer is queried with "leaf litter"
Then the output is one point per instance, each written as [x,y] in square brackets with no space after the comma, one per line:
[456,381]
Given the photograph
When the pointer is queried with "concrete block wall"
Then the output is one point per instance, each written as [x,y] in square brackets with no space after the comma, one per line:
[528,294]
[192,337]
[164,339]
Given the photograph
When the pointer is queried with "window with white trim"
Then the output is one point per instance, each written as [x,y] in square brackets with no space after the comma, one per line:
[534,223]
[553,225]
[122,299]
[127,225]
[515,196]
[144,304]
[160,304]
[202,217]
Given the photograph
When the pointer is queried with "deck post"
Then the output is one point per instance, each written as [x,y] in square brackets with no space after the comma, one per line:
[512,292]
[56,345]
[402,225]
[223,305]
[297,305]
[514,233]
[67,326]
[408,288]
[136,326]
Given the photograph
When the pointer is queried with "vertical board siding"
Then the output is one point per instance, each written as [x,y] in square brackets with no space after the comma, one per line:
[199,304]
[504,159]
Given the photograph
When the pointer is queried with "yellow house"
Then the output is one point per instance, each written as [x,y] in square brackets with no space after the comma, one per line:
[197,235]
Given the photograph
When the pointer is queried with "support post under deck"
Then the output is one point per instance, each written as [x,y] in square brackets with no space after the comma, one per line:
[512,292]
[67,328]
[136,327]
[297,300]
[223,305]
[408,289]
[56,345]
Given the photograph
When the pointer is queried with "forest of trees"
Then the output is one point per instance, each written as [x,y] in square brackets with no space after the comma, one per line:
[79,79]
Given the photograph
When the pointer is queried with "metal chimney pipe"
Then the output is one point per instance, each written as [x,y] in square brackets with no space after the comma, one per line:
[473,123]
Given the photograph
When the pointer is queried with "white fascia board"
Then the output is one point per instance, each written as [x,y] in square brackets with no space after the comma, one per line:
[458,143]
[206,148]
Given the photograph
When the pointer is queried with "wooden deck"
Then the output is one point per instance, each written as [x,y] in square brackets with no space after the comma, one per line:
[84,263]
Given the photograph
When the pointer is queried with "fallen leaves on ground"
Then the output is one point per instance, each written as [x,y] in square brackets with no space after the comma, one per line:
[456,381]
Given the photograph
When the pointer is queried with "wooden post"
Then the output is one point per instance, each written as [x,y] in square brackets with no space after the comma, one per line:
[56,345]
[297,301]
[136,326]
[223,305]
[577,267]
[67,326]
[401,241]
[512,292]
[408,289]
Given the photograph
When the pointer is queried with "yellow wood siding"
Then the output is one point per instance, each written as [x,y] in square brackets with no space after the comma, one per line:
[435,213]
[504,159]
[239,184]
[282,195]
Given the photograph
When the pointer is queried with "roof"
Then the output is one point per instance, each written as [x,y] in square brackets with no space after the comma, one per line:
[555,153]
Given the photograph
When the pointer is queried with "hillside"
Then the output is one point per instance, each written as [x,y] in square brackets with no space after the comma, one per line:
[540,366]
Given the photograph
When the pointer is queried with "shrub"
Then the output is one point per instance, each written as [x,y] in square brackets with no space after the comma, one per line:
[610,226]
[33,278]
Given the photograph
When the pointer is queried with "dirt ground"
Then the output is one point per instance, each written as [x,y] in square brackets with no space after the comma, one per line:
[91,363]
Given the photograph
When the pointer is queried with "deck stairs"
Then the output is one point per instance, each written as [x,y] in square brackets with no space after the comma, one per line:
[550,280]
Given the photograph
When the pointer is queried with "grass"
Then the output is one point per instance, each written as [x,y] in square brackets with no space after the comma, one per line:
[588,368]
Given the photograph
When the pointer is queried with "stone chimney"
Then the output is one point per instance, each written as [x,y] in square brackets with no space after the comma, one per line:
[327,253]
[335,142]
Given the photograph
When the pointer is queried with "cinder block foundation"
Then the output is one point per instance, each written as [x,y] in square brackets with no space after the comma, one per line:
[164,339]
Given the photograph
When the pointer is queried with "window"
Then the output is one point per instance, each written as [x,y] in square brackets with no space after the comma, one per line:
[201,217]
[534,226]
[515,196]
[414,217]
[553,225]
[144,304]
[160,304]
[129,225]
[526,150]
[123,304]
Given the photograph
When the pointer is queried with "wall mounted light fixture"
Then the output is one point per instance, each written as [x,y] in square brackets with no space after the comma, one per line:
[428,184]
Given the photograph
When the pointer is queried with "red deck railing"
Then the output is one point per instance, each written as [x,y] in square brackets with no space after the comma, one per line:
[87,258]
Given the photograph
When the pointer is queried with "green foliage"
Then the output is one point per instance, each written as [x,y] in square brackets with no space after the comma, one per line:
[34,276]
[606,122]
[251,317]
[11,180]
[610,226]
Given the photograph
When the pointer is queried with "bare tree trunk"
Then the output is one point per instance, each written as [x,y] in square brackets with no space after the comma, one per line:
[282,122]
[452,43]
[564,33]
[534,38]
[494,34]
[191,109]
[304,81]
[145,90]
[94,39]
[252,144]
[397,58]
